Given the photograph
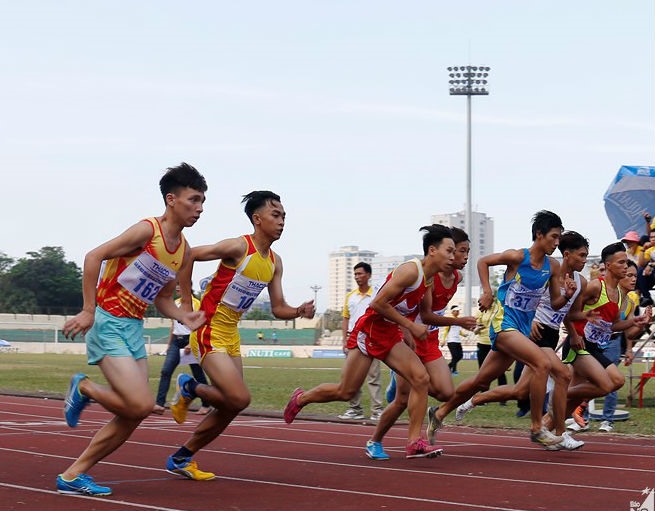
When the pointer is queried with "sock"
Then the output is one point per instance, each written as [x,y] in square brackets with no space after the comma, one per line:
[190,387]
[182,454]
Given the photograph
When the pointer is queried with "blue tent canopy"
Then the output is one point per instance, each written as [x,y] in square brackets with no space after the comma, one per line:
[630,194]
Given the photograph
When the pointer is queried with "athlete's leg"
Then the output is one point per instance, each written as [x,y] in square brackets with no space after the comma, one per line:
[353,375]
[561,373]
[441,381]
[393,410]
[405,362]
[495,364]
[128,396]
[591,380]
[517,346]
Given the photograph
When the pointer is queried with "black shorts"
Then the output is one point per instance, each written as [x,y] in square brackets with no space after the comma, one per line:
[591,348]
[549,337]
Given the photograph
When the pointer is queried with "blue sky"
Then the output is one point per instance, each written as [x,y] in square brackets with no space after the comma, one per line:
[341,107]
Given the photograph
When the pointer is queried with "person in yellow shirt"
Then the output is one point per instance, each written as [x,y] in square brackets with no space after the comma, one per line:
[646,270]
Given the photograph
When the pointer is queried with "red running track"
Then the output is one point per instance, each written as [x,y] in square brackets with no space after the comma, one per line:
[264,464]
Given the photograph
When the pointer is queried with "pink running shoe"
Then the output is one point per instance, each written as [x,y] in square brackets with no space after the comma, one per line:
[293,408]
[419,448]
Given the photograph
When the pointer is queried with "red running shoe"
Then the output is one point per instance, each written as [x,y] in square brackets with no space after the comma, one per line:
[293,408]
[419,448]
[578,414]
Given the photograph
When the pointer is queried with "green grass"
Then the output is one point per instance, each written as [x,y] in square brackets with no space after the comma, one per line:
[271,381]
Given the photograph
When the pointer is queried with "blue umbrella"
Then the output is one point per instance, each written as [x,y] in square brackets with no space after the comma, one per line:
[630,194]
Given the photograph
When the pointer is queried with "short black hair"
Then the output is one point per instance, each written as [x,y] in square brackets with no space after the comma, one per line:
[364,266]
[182,176]
[255,200]
[610,250]
[571,240]
[459,235]
[434,235]
[633,264]
[543,221]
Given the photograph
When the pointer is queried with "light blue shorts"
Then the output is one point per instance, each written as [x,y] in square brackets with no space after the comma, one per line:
[111,336]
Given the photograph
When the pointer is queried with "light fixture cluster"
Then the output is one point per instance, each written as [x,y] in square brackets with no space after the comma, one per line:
[468,80]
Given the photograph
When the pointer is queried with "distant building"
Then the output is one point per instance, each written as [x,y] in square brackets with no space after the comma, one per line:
[481,235]
[340,272]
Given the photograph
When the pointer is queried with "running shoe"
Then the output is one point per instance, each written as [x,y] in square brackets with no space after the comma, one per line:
[391,388]
[375,451]
[75,401]
[187,468]
[182,399]
[571,425]
[419,448]
[351,414]
[434,424]
[606,427]
[375,416]
[463,409]
[568,443]
[293,408]
[544,437]
[81,485]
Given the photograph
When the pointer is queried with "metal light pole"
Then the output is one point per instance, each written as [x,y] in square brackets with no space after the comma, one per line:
[316,289]
[468,81]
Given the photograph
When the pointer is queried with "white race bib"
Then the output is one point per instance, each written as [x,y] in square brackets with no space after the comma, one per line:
[242,292]
[145,276]
[523,298]
[599,332]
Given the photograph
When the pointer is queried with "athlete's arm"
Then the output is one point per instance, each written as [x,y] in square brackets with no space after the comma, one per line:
[511,258]
[230,251]
[403,276]
[279,307]
[133,239]
[577,343]
[557,300]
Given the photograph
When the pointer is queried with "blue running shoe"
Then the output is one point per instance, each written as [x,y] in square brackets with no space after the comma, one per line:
[391,388]
[375,451]
[81,485]
[75,401]
[182,399]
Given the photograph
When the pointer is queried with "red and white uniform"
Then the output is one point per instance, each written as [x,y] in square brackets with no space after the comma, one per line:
[374,334]
[428,349]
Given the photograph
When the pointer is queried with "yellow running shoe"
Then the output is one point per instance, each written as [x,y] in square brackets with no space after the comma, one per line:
[189,469]
[181,400]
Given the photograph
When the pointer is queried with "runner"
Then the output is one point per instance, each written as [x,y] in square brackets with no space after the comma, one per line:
[441,383]
[139,268]
[377,334]
[248,265]
[529,272]
[545,333]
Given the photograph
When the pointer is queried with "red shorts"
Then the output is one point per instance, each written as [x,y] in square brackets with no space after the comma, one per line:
[374,337]
[428,350]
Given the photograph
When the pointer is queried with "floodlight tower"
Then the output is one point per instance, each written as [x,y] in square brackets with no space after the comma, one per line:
[468,81]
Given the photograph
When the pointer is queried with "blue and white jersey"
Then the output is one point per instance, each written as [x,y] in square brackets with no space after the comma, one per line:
[553,318]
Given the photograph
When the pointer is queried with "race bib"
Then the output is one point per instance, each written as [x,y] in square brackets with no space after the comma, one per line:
[523,298]
[145,276]
[600,332]
[242,292]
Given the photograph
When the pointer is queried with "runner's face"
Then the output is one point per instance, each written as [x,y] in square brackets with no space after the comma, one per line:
[270,219]
[550,240]
[187,205]
[629,282]
[462,250]
[578,258]
[444,254]
[617,265]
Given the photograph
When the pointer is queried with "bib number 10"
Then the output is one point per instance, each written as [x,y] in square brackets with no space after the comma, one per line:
[245,302]
[147,289]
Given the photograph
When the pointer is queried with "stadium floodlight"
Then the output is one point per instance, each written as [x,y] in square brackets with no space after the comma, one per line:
[468,81]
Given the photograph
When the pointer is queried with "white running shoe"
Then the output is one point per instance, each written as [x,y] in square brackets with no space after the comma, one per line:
[463,409]
[606,426]
[568,443]
[573,426]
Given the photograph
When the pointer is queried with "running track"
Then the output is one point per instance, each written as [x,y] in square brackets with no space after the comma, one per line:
[264,464]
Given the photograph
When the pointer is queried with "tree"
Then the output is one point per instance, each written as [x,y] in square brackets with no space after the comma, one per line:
[42,283]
